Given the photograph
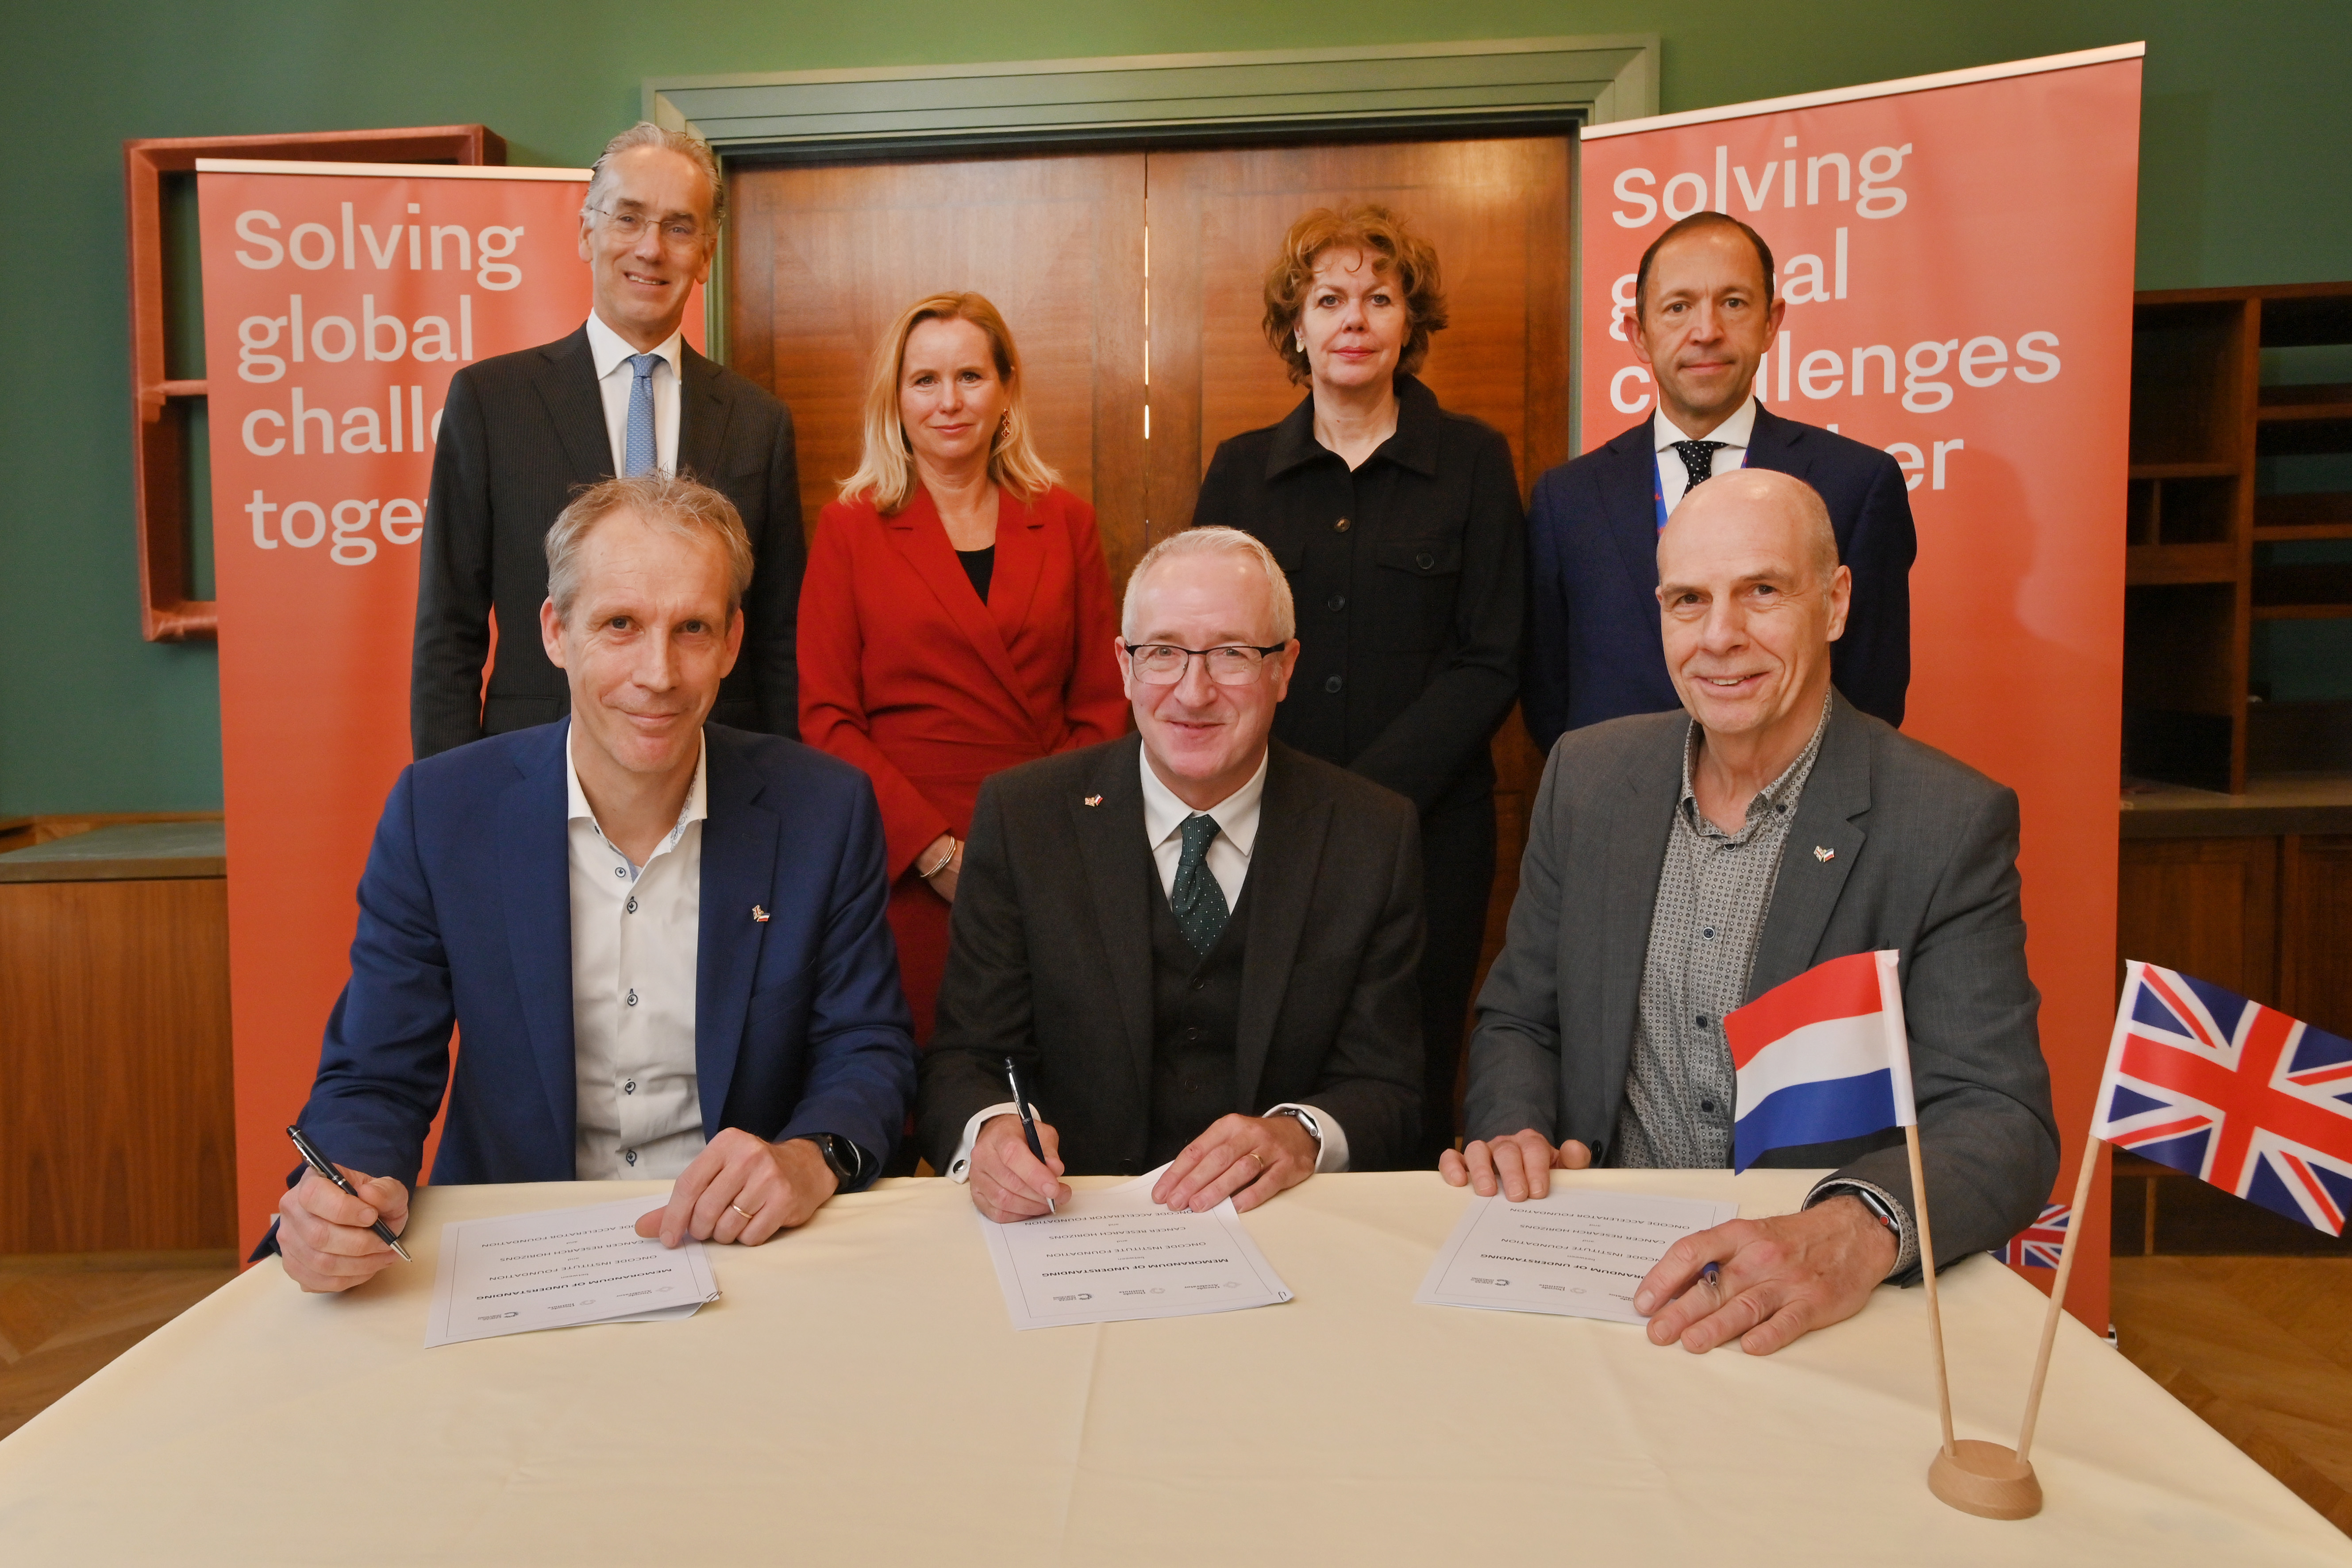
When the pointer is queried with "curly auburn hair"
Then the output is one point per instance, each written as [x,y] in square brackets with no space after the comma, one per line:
[1367,226]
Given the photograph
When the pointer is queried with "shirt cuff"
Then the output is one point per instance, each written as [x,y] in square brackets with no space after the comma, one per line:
[1906,1235]
[1331,1151]
[960,1168]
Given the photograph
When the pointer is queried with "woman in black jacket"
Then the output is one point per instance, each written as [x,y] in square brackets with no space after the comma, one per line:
[1401,529]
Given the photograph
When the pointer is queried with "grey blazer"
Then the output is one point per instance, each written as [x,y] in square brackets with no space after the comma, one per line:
[1922,860]
[1051,959]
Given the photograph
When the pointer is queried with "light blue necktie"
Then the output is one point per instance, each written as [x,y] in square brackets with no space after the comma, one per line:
[638,449]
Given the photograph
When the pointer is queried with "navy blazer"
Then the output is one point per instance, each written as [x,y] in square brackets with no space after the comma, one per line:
[465,919]
[1594,650]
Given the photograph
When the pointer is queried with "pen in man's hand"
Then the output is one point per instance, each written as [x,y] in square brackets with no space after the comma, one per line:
[319,1162]
[1028,1122]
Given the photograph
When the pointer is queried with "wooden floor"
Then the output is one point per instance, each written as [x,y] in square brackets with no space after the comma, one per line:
[2259,1347]
[64,1315]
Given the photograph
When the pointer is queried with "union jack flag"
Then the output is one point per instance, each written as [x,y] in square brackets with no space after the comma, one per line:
[2236,1093]
[2038,1244]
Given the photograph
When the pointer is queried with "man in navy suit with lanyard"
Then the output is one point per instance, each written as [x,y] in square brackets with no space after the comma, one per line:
[1704,314]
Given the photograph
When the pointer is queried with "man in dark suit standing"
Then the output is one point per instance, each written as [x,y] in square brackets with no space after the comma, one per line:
[1704,314]
[664,941]
[1679,865]
[622,395]
[1221,978]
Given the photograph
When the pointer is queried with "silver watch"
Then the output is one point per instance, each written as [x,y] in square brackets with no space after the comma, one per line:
[1314,1128]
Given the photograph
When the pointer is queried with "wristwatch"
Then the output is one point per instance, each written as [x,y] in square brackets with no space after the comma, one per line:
[845,1158]
[1313,1129]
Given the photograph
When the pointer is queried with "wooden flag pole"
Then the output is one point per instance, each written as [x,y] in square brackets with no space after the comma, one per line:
[1927,1277]
[1983,1478]
[2075,1217]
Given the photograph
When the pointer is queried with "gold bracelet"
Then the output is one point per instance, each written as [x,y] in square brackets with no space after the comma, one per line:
[944,861]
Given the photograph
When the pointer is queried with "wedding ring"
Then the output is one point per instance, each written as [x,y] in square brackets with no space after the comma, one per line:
[738,1210]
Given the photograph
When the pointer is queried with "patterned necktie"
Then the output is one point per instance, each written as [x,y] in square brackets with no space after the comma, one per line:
[1198,903]
[1698,459]
[637,446]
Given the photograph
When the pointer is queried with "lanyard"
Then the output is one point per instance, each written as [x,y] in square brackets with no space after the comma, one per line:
[1658,487]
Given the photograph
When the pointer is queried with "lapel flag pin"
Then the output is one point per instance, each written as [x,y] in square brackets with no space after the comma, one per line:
[1093,800]
[1821,854]
[759,914]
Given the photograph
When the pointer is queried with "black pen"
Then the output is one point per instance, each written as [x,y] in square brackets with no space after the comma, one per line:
[1028,1122]
[317,1161]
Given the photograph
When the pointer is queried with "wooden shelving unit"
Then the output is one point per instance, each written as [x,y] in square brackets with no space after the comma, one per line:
[2197,579]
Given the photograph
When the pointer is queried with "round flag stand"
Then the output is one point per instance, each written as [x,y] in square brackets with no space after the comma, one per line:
[1986,1479]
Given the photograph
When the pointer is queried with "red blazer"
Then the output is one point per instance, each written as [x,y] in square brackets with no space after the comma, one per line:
[904,671]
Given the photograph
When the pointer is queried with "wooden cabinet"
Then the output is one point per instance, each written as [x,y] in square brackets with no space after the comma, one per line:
[116,1122]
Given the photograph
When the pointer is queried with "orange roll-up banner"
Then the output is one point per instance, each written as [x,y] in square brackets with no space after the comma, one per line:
[1957,254]
[339,301]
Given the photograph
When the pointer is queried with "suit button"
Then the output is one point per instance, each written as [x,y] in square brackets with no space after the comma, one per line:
[1199,984]
[1340,526]
[1336,602]
[1424,560]
[1193,1035]
[1332,684]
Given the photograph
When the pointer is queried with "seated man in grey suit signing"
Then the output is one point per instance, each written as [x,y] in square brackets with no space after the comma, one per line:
[1679,866]
[1200,945]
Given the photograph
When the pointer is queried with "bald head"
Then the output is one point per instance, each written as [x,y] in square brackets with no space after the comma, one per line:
[1750,596]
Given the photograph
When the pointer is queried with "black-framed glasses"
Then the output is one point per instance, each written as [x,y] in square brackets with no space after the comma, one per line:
[1164,664]
[678,233]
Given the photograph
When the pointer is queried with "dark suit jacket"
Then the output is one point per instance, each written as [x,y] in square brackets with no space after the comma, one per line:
[1594,650]
[520,434]
[464,920]
[1051,962]
[1922,860]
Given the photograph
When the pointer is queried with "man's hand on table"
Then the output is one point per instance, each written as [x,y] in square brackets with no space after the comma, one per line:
[1008,1184]
[1779,1279]
[1519,1166]
[1246,1158]
[324,1237]
[743,1188]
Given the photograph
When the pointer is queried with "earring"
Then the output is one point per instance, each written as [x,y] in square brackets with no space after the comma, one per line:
[1300,339]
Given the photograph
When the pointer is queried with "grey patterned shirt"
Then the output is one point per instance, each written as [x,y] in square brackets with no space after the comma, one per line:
[1713,892]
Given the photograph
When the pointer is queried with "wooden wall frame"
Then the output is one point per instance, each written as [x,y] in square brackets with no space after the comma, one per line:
[1490,85]
[159,441]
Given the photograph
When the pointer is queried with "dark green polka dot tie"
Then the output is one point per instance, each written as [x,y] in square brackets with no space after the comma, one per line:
[1196,900]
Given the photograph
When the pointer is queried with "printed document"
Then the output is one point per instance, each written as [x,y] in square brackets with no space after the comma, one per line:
[1574,1252]
[560,1268]
[1112,1254]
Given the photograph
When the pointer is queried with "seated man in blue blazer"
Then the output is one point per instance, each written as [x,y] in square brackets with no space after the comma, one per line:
[1704,314]
[662,940]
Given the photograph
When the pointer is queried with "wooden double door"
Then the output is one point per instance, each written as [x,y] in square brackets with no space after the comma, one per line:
[1133,283]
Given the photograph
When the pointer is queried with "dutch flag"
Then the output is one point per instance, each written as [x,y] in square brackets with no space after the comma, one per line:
[1821,1058]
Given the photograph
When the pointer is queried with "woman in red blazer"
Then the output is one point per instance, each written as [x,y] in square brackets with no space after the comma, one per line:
[957,618]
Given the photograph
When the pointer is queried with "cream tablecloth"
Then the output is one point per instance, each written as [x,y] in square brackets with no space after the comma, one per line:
[857,1396]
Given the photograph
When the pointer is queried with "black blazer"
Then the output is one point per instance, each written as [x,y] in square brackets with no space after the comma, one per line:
[1408,575]
[1051,960]
[520,434]
[1594,650]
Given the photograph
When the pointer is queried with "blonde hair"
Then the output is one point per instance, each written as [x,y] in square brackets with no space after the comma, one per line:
[1214,542]
[662,500]
[885,471]
[1395,249]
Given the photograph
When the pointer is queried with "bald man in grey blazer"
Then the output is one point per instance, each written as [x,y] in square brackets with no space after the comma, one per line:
[1679,865]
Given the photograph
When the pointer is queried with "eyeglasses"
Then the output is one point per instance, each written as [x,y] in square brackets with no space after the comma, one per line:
[676,233]
[1164,664]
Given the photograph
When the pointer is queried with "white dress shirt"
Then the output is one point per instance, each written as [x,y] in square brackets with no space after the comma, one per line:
[636,938]
[1672,478]
[1228,858]
[613,378]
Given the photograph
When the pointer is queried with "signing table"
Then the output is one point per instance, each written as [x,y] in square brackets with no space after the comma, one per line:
[857,1395]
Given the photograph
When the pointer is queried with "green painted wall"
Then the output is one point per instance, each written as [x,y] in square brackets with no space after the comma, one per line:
[2246,178]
